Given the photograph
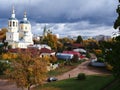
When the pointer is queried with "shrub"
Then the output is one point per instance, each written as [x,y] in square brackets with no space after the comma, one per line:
[81,76]
[88,55]
[100,59]
[3,67]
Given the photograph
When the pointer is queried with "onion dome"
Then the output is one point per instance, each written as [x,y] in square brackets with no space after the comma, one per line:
[24,21]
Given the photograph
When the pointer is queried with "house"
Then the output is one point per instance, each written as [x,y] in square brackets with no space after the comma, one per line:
[75,54]
[80,50]
[72,52]
[46,52]
[39,46]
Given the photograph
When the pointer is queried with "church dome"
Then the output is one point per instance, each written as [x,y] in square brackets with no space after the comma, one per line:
[24,21]
[11,18]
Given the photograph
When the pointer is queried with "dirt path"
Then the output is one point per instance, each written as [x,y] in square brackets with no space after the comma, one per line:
[5,85]
[83,68]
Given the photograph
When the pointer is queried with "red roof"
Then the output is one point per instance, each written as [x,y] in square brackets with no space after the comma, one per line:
[33,51]
[45,50]
[76,45]
[72,52]
[16,50]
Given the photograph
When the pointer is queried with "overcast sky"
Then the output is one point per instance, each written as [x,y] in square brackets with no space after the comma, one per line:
[64,17]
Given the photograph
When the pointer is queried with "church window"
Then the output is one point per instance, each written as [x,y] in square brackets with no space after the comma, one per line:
[10,23]
[26,28]
[13,24]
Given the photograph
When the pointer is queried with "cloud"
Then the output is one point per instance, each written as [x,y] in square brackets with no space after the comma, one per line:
[74,29]
[63,10]
[64,16]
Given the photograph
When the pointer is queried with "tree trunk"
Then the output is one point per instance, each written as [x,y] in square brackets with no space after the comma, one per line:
[28,87]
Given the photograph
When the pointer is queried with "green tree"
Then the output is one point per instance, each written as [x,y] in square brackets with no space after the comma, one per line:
[79,39]
[112,52]
[113,49]
[28,70]
[117,22]
[4,65]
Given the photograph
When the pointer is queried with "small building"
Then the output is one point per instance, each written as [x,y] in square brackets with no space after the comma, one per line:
[46,52]
[64,56]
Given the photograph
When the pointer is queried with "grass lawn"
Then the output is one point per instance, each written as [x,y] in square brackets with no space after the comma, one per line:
[64,69]
[114,86]
[91,83]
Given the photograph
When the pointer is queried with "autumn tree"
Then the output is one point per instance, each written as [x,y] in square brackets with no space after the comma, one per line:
[50,40]
[27,70]
[91,44]
[53,59]
[9,56]
[59,46]
[3,34]
[65,42]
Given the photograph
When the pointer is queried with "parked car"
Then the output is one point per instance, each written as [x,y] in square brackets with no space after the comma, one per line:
[50,79]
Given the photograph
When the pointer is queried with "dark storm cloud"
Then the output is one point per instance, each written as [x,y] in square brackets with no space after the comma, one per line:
[99,11]
[82,14]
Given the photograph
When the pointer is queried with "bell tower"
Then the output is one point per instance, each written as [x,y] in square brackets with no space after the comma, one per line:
[13,22]
[12,35]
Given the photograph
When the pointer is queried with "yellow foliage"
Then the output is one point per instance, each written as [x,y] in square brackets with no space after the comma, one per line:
[3,33]
[87,42]
[9,56]
[98,52]
[51,59]
[109,67]
[28,70]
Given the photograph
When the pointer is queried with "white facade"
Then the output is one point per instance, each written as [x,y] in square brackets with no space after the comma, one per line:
[39,46]
[19,33]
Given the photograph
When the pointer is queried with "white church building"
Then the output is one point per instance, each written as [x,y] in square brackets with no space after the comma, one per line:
[19,34]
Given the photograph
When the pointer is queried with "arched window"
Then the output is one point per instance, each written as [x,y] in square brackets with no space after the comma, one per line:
[13,24]
[26,28]
[10,23]
[10,36]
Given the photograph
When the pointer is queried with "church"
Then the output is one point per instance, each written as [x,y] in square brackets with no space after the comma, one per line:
[19,33]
